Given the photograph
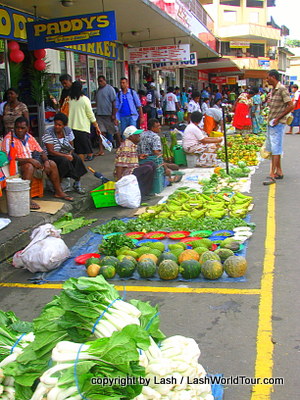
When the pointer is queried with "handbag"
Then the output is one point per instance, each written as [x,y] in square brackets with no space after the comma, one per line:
[290,119]
[264,153]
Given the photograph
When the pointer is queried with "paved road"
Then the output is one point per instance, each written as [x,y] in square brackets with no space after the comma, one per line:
[248,328]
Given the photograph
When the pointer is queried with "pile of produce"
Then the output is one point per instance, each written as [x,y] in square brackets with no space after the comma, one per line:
[242,148]
[182,260]
[167,225]
[88,332]
[190,203]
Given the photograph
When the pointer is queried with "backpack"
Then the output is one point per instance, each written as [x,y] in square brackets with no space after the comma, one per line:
[150,96]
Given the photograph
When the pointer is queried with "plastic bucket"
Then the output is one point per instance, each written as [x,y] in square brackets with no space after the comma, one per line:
[18,197]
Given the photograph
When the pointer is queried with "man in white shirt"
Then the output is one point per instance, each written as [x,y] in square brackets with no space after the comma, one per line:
[196,141]
[194,104]
[171,107]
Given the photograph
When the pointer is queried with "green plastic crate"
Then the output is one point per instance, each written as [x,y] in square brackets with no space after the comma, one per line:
[103,197]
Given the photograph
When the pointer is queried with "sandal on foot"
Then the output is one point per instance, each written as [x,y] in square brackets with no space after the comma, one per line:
[78,189]
[269,181]
[278,176]
[34,206]
[89,158]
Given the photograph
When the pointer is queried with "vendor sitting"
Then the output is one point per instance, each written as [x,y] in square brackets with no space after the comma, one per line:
[195,140]
[127,161]
[31,159]
[150,145]
[213,120]
[58,144]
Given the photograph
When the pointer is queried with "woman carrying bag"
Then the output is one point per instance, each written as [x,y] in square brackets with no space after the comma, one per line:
[58,144]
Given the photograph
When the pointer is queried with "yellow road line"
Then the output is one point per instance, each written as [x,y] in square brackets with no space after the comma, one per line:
[264,345]
[155,289]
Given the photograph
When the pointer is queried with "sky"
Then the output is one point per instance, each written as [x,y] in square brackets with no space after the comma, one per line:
[287,13]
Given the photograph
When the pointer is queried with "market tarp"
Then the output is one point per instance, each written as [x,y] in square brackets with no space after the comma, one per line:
[89,244]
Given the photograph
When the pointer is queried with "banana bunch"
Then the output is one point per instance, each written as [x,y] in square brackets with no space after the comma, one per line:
[239,205]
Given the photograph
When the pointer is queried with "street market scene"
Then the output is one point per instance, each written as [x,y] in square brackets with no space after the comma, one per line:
[148,200]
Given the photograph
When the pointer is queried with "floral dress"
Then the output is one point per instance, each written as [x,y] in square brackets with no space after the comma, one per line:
[257,119]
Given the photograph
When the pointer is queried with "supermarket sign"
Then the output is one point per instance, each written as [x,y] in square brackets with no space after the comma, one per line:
[81,29]
[159,54]
[219,80]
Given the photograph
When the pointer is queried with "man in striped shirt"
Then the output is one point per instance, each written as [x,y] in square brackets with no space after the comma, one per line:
[24,146]
[280,105]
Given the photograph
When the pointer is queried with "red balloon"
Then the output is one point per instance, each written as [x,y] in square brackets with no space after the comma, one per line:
[41,53]
[12,45]
[39,65]
[16,56]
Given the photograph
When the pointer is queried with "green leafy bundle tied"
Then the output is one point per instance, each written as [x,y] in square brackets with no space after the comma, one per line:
[110,245]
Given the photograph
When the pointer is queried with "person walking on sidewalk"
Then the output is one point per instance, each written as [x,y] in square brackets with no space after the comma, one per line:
[280,105]
[296,112]
[128,105]
[106,111]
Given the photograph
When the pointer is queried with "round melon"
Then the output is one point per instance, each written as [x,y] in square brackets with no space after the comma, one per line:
[124,257]
[92,260]
[224,253]
[156,245]
[188,255]
[108,271]
[142,250]
[212,269]
[156,252]
[177,253]
[168,270]
[235,266]
[93,270]
[125,268]
[109,260]
[148,256]
[167,256]
[146,268]
[200,250]
[190,269]
[209,255]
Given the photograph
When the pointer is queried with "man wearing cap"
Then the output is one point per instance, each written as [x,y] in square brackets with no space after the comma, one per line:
[127,162]
[152,97]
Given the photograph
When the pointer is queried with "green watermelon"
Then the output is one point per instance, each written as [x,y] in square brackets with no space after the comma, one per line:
[92,260]
[125,268]
[200,250]
[168,270]
[156,245]
[190,269]
[109,260]
[108,271]
[166,256]
[146,268]
[224,253]
[212,269]
[209,255]
[235,266]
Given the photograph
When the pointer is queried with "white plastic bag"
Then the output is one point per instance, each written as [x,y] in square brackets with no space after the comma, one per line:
[45,252]
[128,192]
[107,144]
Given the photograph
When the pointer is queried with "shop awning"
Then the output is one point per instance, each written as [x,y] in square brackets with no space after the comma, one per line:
[139,22]
[219,67]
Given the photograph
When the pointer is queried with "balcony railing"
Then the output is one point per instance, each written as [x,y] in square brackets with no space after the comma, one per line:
[197,9]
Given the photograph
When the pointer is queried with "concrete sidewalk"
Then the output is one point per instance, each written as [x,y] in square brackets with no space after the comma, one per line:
[16,235]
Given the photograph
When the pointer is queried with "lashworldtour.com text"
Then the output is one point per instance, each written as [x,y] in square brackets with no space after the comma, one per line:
[172,380]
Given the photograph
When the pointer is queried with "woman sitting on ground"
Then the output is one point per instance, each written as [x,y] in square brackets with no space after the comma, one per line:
[58,144]
[195,140]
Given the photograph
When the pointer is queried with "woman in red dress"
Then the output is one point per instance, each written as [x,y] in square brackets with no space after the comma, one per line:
[242,112]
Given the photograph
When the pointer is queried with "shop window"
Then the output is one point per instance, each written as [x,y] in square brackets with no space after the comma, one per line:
[92,78]
[63,62]
[231,2]
[80,63]
[229,16]
[109,72]
[255,3]
[100,67]
[257,50]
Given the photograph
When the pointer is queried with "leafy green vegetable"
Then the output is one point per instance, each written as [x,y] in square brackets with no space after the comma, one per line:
[110,245]
[69,224]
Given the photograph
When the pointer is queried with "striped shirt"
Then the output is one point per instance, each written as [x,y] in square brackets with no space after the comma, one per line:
[23,148]
[279,99]
[51,138]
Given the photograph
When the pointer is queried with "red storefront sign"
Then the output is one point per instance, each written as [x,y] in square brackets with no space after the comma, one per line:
[219,80]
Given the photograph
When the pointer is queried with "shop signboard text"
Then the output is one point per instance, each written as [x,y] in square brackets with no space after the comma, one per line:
[74,30]
[159,54]
[193,62]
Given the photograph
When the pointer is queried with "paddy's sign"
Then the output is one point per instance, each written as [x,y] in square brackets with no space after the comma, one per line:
[73,30]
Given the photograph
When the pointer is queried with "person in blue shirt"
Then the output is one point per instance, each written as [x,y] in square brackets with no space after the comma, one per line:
[128,106]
